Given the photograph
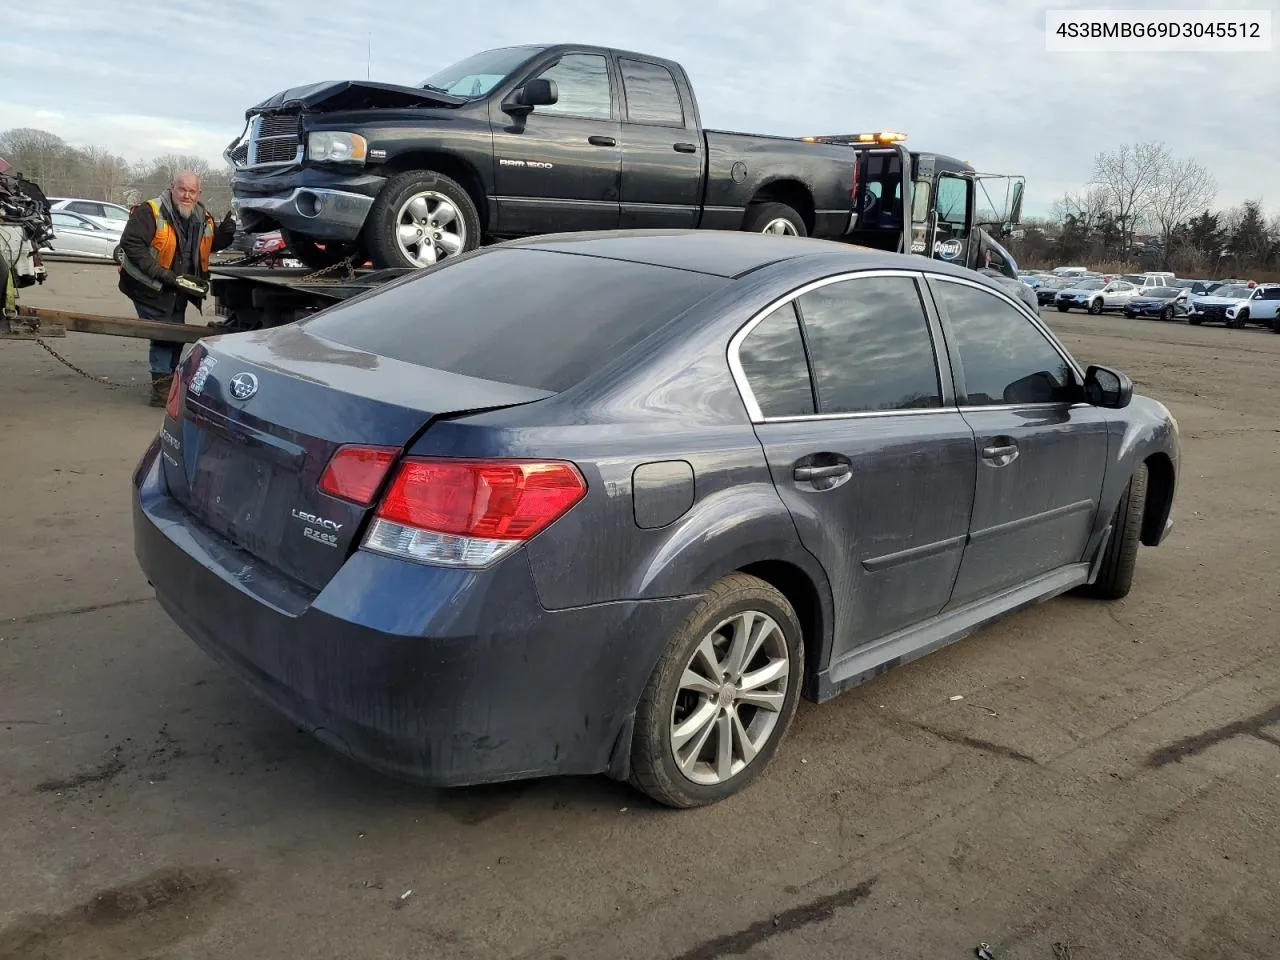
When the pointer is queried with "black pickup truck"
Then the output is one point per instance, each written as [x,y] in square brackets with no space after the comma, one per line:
[513,142]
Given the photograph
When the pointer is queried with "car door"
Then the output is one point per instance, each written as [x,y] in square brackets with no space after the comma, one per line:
[662,150]
[1264,304]
[558,167]
[1117,294]
[1041,456]
[864,444]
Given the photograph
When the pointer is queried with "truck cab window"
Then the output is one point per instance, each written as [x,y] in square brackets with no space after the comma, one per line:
[583,83]
[651,93]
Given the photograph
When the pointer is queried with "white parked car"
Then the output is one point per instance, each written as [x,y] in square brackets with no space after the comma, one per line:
[77,236]
[109,215]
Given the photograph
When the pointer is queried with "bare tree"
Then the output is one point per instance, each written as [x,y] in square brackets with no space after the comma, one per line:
[1130,177]
[1183,188]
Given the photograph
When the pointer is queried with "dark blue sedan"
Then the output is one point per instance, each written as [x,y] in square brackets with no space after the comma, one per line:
[613,503]
[1159,303]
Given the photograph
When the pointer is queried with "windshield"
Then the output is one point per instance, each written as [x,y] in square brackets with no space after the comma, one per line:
[1238,291]
[1133,279]
[479,74]
[1090,285]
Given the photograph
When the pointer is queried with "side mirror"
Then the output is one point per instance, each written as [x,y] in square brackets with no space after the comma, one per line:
[1104,387]
[539,92]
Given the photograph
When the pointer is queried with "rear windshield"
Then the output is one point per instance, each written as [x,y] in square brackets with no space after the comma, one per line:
[527,317]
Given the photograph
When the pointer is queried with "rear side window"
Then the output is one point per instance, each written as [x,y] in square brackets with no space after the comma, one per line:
[651,93]
[773,361]
[527,317]
[870,344]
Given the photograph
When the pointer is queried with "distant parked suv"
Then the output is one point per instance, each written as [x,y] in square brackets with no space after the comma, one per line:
[1237,304]
[1096,296]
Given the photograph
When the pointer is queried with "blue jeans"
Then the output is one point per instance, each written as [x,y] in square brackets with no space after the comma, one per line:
[164,354]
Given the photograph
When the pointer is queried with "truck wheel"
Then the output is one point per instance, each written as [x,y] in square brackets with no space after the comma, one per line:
[419,218]
[316,254]
[1095,307]
[721,696]
[1115,576]
[774,218]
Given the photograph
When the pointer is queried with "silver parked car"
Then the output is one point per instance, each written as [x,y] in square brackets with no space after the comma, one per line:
[77,236]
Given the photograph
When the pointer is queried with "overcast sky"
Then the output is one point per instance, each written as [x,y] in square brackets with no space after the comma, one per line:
[971,79]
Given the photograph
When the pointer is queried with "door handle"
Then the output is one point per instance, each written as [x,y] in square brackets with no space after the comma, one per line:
[602,141]
[822,473]
[686,148]
[1001,453]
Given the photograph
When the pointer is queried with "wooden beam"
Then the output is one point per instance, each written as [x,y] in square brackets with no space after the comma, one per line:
[115,326]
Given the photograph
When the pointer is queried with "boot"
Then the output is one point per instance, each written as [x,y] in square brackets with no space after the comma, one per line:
[160,388]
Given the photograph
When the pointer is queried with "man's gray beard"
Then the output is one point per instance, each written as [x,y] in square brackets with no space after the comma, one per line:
[185,209]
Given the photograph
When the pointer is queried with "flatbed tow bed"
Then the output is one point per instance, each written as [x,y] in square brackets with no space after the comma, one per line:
[247,297]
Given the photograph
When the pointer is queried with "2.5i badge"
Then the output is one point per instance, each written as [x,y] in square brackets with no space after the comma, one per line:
[317,528]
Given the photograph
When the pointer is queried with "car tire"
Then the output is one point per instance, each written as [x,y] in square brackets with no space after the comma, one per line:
[1166,314]
[1242,318]
[1195,321]
[118,254]
[392,205]
[775,218]
[1095,307]
[1115,576]
[316,256]
[667,703]
[1062,309]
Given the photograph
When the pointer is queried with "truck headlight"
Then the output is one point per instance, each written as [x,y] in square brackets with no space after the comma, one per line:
[336,147]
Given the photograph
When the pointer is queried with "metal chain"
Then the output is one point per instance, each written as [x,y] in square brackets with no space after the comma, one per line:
[85,373]
[344,264]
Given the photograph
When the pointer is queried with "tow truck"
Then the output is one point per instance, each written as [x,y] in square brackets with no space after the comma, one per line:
[953,210]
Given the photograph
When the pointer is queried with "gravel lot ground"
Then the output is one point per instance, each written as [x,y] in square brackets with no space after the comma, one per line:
[1110,782]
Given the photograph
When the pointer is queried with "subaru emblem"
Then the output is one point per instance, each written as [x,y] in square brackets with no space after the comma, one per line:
[243,386]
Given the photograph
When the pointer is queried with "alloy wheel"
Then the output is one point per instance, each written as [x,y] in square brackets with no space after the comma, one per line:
[428,228]
[730,698]
[782,227]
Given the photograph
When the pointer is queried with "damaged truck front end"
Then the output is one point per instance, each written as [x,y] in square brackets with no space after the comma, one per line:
[296,170]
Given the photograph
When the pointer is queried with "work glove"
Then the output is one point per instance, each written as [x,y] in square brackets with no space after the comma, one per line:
[229,220]
[192,285]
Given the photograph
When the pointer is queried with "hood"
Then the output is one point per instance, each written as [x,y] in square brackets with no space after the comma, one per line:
[1077,291]
[354,95]
[1212,301]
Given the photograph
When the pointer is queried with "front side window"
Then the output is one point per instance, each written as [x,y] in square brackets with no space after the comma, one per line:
[651,93]
[773,361]
[870,346]
[953,201]
[582,81]
[1004,357]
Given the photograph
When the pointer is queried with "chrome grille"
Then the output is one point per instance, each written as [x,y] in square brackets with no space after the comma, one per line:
[273,138]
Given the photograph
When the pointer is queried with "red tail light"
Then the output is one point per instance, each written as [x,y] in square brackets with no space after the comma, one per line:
[355,473]
[469,513]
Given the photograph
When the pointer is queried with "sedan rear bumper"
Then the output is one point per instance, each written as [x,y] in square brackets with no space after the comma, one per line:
[445,677]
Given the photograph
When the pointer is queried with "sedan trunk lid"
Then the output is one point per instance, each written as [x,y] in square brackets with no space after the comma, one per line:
[262,414]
